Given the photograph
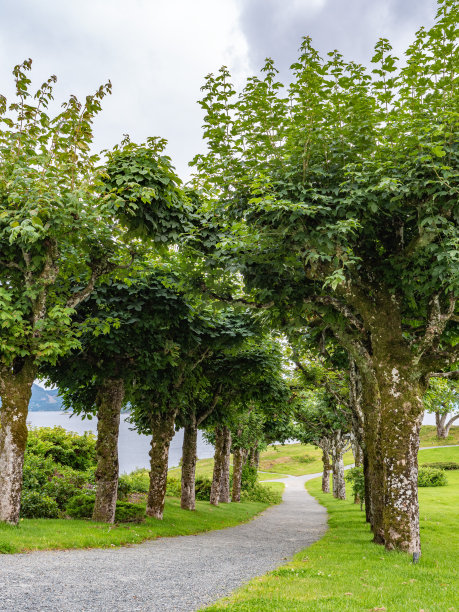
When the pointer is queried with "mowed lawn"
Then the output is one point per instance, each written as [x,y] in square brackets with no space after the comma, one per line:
[344,571]
[40,534]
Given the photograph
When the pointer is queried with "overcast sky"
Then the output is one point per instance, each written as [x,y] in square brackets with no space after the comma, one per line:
[157,52]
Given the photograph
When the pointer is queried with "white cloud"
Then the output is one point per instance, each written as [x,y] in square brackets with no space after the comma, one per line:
[155,53]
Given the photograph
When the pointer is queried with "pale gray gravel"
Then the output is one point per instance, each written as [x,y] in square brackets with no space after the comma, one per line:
[170,574]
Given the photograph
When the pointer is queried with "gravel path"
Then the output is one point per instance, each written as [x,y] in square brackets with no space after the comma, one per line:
[169,574]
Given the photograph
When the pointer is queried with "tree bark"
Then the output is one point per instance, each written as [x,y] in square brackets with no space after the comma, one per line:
[162,426]
[110,398]
[339,486]
[226,456]
[15,391]
[218,467]
[402,411]
[239,457]
[326,472]
[188,497]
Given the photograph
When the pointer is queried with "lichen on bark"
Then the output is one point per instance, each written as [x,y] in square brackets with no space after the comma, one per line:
[110,398]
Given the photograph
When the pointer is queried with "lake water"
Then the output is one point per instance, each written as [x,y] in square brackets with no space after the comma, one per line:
[133,447]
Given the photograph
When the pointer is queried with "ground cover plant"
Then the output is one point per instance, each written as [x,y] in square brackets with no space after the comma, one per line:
[344,571]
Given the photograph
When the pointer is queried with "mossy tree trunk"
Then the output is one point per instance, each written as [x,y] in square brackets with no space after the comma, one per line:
[401,418]
[326,471]
[239,458]
[110,399]
[15,390]
[189,449]
[218,467]
[339,444]
[226,456]
[162,426]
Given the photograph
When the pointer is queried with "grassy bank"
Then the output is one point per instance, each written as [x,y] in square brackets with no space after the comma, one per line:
[344,571]
[40,534]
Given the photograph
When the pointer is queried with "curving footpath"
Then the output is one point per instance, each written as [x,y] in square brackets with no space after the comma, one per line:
[169,574]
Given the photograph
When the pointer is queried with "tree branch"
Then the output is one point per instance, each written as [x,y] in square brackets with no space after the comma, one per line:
[436,323]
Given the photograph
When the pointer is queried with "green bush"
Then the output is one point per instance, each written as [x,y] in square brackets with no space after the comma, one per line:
[38,505]
[63,447]
[129,513]
[82,507]
[136,482]
[248,477]
[65,483]
[37,471]
[203,487]
[431,477]
[442,465]
[261,493]
[356,478]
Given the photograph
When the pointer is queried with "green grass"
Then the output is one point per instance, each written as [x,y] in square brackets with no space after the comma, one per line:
[344,571]
[429,436]
[41,534]
[275,486]
[294,459]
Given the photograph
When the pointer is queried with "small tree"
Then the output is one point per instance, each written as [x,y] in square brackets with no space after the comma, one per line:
[442,399]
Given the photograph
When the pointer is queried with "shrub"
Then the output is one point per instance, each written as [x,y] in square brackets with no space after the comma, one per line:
[37,471]
[248,477]
[431,477]
[129,513]
[82,507]
[136,482]
[65,483]
[356,478]
[64,447]
[261,493]
[442,465]
[203,487]
[38,505]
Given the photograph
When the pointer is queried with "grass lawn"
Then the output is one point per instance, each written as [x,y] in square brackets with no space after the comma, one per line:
[344,571]
[39,534]
[429,436]
[295,459]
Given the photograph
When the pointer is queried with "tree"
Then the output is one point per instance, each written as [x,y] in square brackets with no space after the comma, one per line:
[128,339]
[53,247]
[442,399]
[340,203]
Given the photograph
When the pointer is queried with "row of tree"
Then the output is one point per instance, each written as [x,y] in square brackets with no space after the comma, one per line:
[325,213]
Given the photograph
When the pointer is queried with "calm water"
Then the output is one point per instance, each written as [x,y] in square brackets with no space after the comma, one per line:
[133,447]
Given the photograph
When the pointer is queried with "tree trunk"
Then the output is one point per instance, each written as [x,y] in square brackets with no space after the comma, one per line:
[110,398]
[402,412]
[367,485]
[226,456]
[188,497]
[326,472]
[218,467]
[254,456]
[238,463]
[162,426]
[440,421]
[339,485]
[15,391]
